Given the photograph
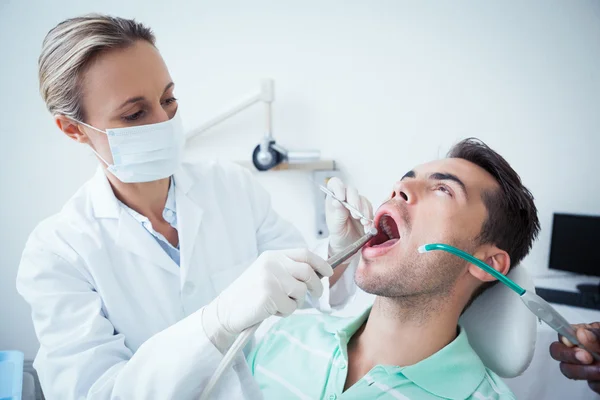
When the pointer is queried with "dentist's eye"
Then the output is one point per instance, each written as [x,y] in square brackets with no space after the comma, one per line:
[169,101]
[134,116]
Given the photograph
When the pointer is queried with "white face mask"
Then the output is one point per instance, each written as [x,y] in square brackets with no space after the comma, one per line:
[145,153]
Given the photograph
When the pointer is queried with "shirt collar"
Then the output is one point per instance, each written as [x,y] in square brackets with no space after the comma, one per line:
[347,326]
[170,205]
[439,373]
[106,204]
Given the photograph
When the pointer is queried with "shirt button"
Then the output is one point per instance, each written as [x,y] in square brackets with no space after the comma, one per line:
[332,397]
[342,365]
[188,289]
[168,214]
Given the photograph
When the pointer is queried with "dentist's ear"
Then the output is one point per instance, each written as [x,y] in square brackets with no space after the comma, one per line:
[495,258]
[70,128]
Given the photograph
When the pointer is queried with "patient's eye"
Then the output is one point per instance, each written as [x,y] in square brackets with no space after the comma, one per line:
[444,189]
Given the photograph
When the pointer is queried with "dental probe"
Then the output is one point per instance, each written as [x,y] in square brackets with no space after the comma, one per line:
[344,203]
[246,335]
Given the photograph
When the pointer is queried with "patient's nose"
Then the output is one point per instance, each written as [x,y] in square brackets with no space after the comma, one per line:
[403,191]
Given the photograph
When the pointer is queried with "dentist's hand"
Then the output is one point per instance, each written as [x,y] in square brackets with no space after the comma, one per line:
[275,284]
[345,227]
[577,363]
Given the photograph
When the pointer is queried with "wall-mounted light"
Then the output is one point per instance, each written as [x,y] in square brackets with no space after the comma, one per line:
[268,154]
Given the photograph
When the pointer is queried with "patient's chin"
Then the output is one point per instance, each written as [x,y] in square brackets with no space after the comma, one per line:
[369,278]
[376,285]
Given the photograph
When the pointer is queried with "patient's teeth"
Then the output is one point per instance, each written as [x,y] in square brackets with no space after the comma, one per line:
[386,228]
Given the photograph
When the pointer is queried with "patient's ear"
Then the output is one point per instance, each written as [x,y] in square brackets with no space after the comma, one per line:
[495,258]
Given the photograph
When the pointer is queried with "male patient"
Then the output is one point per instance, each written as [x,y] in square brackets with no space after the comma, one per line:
[409,344]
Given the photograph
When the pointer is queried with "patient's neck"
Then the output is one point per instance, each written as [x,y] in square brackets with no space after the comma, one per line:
[401,332]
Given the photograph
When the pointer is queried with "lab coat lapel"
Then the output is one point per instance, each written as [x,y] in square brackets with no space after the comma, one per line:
[134,238]
[131,235]
[189,218]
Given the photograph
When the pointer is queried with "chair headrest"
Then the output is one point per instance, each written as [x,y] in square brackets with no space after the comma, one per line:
[501,330]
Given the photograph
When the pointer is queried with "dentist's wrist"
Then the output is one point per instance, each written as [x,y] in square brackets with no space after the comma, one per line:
[219,336]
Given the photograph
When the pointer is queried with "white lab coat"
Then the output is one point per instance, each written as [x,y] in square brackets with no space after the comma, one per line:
[116,317]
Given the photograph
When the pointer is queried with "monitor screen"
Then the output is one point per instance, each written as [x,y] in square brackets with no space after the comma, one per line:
[574,245]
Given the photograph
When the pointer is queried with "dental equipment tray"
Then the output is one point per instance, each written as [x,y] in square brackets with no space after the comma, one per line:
[589,300]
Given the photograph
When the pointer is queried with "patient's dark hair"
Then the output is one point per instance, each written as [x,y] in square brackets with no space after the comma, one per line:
[512,223]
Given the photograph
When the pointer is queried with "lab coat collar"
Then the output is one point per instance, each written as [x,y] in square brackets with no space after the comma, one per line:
[106,205]
[189,217]
[103,200]
[131,235]
[183,179]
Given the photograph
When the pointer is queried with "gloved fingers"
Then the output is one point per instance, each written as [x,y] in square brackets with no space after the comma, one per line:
[335,209]
[308,277]
[335,216]
[293,288]
[353,198]
[286,305]
[338,188]
[572,355]
[581,372]
[366,209]
[308,257]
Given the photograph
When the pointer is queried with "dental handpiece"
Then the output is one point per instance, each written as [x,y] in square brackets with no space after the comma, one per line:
[351,250]
[246,335]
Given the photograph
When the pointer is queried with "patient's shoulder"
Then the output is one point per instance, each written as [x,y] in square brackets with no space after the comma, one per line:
[492,387]
[306,324]
[307,328]
[294,338]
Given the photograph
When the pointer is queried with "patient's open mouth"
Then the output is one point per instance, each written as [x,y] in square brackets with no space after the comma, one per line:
[388,233]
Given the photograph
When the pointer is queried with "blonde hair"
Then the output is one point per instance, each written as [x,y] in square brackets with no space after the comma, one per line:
[70,47]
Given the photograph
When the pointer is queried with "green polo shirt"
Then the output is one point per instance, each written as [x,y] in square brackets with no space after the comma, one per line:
[305,357]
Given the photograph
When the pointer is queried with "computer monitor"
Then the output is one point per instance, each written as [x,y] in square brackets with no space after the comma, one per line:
[574,244]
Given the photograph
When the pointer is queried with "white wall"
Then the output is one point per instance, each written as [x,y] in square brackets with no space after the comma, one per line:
[380,86]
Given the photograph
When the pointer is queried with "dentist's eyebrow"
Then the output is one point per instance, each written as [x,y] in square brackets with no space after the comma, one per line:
[409,174]
[142,98]
[169,86]
[440,176]
[132,100]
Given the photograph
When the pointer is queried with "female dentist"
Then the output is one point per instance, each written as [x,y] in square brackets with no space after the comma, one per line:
[149,272]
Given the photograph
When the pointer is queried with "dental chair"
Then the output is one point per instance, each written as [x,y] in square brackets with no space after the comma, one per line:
[501,330]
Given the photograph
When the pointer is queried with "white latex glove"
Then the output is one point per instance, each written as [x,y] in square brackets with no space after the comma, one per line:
[345,227]
[275,284]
